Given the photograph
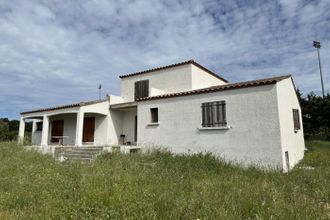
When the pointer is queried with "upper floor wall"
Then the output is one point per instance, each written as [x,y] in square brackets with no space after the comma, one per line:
[201,79]
[170,80]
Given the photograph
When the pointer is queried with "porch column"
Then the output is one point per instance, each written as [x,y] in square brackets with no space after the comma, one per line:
[45,131]
[21,130]
[79,128]
[34,126]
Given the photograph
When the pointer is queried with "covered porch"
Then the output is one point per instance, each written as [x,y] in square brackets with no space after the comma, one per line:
[124,116]
[81,125]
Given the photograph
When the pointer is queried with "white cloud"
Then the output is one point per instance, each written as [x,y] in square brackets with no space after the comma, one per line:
[58,52]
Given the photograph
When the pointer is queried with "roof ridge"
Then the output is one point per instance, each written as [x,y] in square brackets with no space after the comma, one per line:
[191,61]
[243,84]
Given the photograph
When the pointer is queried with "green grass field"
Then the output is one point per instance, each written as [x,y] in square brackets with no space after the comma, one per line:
[160,186]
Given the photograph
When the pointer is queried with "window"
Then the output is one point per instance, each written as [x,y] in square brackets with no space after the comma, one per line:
[214,114]
[296,119]
[154,115]
[141,89]
[39,126]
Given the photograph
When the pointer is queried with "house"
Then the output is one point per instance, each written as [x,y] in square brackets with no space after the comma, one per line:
[184,108]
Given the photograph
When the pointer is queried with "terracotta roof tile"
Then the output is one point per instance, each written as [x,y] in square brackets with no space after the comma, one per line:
[238,85]
[175,65]
[65,106]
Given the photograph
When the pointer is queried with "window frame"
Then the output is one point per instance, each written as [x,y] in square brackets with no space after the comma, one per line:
[154,115]
[296,119]
[141,89]
[214,114]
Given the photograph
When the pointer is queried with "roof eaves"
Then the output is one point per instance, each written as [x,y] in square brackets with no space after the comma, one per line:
[64,106]
[156,69]
[238,85]
[174,65]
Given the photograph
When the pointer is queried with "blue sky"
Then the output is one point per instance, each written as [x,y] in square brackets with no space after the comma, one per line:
[57,52]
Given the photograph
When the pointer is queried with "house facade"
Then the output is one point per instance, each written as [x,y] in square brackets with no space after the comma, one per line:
[184,108]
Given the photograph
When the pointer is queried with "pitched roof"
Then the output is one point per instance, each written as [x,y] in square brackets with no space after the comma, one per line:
[238,85]
[175,65]
[65,106]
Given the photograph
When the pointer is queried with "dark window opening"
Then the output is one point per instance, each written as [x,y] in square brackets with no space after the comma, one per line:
[39,126]
[141,89]
[214,114]
[154,115]
[296,119]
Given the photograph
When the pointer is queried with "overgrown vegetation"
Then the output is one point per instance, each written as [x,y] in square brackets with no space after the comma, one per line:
[9,129]
[160,186]
[316,115]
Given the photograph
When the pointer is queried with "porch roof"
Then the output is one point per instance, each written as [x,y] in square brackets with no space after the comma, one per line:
[126,105]
[79,104]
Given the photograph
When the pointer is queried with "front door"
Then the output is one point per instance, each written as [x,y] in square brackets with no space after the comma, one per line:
[57,130]
[88,130]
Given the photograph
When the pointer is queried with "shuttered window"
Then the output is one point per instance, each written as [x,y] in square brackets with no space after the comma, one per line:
[141,89]
[214,114]
[296,119]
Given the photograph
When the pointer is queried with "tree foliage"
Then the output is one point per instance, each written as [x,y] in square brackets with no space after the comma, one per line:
[9,129]
[316,115]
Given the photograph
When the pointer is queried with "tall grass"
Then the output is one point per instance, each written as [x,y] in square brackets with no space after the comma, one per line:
[159,185]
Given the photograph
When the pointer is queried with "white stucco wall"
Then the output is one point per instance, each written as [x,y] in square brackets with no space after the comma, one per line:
[101,128]
[167,80]
[115,127]
[114,99]
[128,125]
[69,127]
[252,114]
[98,110]
[36,138]
[202,79]
[35,135]
[293,142]
[176,79]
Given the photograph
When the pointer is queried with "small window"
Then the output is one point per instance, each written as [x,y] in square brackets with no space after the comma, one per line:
[154,115]
[141,89]
[214,114]
[39,126]
[296,119]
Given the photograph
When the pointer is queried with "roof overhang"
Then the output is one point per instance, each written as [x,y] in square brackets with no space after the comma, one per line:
[70,108]
[123,106]
[172,66]
[239,85]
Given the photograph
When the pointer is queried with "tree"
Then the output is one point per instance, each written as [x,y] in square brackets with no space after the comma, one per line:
[315,115]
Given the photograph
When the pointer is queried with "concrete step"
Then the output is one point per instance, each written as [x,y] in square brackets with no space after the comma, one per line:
[83,154]
[81,159]
[86,149]
[79,155]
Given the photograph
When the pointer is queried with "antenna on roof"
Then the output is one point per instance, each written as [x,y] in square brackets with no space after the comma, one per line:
[100,87]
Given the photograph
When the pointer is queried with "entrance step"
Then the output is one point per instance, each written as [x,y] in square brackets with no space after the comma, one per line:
[83,154]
